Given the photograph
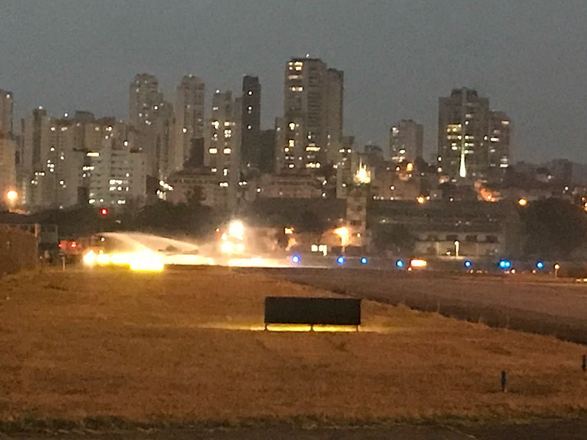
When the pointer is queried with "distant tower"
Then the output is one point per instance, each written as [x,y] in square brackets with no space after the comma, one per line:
[189,119]
[144,99]
[334,115]
[7,145]
[222,143]
[251,121]
[473,140]
[500,137]
[153,117]
[6,114]
[463,120]
[310,130]
[406,140]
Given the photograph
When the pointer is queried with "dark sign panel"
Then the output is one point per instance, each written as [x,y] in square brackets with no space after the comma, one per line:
[303,310]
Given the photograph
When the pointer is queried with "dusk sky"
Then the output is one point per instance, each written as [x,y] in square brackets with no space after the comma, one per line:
[398,57]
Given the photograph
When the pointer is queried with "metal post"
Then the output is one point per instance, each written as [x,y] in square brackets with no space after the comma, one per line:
[504,381]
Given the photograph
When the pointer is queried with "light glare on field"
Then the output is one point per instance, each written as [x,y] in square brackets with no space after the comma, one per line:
[89,258]
[324,328]
[146,262]
[236,229]
[140,261]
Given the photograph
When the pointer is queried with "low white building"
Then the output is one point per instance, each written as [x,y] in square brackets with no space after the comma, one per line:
[187,183]
[289,186]
[117,175]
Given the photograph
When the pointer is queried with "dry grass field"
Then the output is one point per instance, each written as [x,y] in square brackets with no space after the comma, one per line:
[175,347]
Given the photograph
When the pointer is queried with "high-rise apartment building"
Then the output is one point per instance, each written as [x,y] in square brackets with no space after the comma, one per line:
[222,143]
[7,167]
[34,153]
[406,140]
[499,138]
[465,126]
[344,168]
[251,122]
[153,117]
[6,114]
[7,145]
[144,99]
[118,175]
[60,156]
[311,128]
[53,170]
[189,120]
[334,114]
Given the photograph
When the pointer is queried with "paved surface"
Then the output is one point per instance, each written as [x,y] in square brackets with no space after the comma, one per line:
[551,308]
[543,430]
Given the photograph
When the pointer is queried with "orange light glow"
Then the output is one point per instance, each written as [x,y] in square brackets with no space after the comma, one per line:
[418,263]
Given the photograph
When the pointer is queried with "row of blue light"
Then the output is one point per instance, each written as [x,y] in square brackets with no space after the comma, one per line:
[503,264]
[340,260]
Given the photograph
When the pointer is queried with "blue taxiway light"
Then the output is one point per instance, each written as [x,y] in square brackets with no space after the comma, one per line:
[296,259]
[468,264]
[363,260]
[340,260]
[400,264]
[540,265]
[505,264]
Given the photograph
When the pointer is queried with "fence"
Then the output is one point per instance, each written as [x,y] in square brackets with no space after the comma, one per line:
[18,250]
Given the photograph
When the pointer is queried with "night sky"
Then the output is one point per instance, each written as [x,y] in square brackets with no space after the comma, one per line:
[528,57]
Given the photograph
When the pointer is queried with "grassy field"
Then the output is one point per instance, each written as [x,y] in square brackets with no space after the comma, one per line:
[175,347]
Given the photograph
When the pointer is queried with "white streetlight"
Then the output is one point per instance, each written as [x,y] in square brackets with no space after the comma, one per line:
[343,233]
[11,197]
[556,269]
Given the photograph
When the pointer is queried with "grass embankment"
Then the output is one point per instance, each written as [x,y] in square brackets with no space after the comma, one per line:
[146,348]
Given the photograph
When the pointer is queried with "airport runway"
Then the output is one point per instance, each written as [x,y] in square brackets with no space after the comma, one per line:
[532,304]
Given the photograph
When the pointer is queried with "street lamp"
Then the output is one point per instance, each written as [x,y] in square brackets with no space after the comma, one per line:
[343,233]
[11,198]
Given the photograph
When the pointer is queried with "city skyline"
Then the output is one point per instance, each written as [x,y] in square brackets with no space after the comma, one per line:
[483,51]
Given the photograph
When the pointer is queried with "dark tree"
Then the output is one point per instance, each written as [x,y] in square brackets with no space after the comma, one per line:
[309,221]
[554,228]
[396,238]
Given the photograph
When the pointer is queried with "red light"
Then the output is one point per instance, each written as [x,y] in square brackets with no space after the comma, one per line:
[103,212]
